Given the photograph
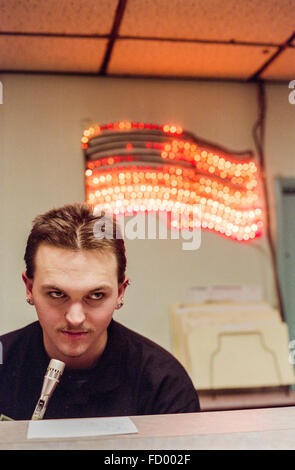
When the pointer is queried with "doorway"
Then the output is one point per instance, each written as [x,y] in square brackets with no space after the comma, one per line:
[285,205]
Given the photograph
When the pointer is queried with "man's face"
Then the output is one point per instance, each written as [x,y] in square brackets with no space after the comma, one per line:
[75,294]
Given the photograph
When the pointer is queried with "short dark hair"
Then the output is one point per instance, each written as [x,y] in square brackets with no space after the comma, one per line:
[72,227]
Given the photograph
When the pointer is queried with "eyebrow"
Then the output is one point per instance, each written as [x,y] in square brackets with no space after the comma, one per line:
[101,287]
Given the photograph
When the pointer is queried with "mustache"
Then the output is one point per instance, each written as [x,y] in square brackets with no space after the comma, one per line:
[69,329]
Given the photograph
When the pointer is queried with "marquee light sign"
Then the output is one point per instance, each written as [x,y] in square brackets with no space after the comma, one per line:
[136,167]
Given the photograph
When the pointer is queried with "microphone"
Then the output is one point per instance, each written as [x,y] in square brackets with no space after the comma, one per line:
[54,372]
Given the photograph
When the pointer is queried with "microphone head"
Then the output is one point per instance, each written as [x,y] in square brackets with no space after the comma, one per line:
[55,369]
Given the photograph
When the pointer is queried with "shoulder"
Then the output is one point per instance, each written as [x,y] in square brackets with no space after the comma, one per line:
[146,352]
[18,339]
[162,383]
[136,341]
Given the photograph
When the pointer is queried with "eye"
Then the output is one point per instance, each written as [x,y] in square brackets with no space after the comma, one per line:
[96,296]
[55,294]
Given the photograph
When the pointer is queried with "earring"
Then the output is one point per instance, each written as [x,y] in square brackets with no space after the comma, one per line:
[129,282]
[120,304]
[30,301]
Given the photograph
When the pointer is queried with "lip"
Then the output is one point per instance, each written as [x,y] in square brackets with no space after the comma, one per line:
[75,334]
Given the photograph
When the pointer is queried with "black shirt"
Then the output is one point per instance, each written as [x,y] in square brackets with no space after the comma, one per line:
[134,376]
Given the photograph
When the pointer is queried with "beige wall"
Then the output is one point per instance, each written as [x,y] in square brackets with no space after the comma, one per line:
[41,166]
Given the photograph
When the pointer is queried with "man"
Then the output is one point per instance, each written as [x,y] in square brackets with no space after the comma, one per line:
[75,278]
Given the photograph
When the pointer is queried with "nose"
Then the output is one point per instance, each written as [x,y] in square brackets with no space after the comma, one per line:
[75,315]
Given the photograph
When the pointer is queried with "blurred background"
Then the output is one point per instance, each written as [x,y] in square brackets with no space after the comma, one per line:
[222,70]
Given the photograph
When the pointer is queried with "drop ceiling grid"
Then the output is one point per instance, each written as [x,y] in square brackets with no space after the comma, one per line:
[258,21]
[90,17]
[185,59]
[78,55]
[283,67]
[197,22]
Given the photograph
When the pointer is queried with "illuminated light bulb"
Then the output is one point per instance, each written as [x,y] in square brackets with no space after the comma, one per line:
[88,172]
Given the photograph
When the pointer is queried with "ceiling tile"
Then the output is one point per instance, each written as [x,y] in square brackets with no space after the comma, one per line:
[265,21]
[185,59]
[24,53]
[58,16]
[283,67]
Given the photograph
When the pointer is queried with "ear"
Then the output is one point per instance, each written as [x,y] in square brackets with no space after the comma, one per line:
[28,283]
[122,287]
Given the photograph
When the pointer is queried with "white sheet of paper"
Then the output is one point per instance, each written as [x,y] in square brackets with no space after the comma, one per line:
[62,428]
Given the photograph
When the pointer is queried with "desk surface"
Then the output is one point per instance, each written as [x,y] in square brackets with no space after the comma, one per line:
[268,428]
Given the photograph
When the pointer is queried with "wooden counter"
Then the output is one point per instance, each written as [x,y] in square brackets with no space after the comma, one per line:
[268,428]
